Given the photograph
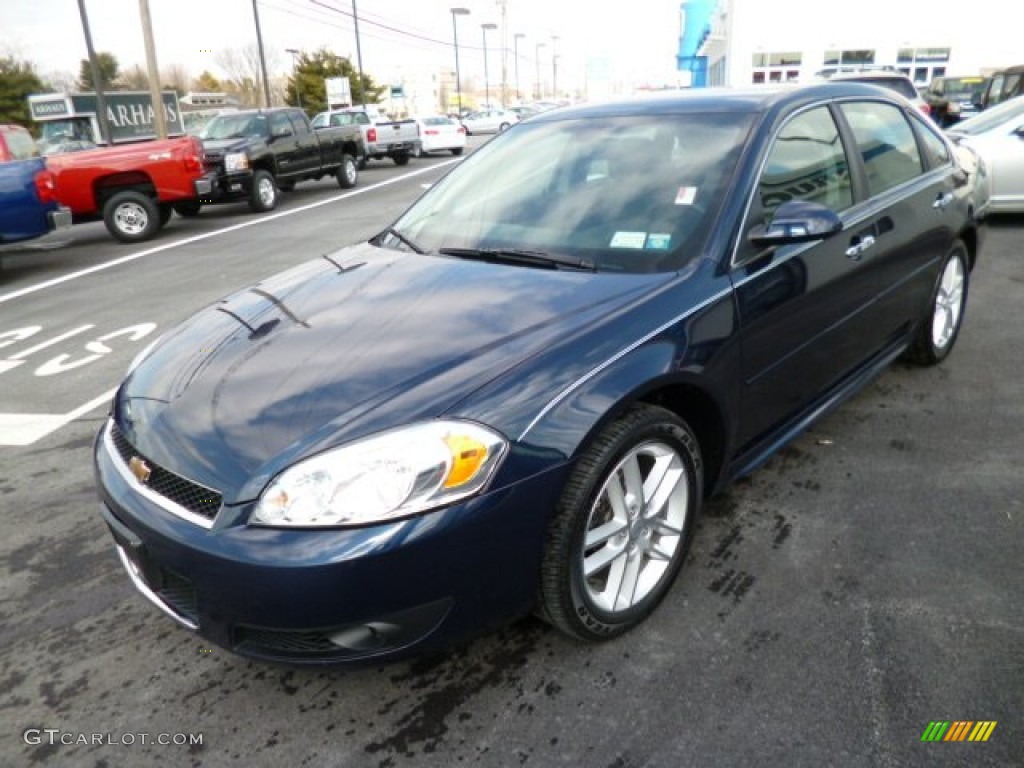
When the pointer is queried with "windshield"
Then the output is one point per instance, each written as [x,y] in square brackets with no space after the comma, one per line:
[635,194]
[963,88]
[235,127]
[992,118]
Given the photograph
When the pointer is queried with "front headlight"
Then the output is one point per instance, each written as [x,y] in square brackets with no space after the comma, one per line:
[236,161]
[389,475]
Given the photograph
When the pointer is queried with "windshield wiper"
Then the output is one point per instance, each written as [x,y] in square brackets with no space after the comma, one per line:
[399,236]
[520,256]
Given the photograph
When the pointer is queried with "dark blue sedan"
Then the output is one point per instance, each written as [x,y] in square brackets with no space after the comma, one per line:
[517,397]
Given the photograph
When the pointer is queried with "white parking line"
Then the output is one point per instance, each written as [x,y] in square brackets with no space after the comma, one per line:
[26,428]
[206,235]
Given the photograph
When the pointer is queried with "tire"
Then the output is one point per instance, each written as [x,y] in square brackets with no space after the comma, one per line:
[348,172]
[264,195]
[401,159]
[635,547]
[503,127]
[188,208]
[166,211]
[363,160]
[457,151]
[940,325]
[131,216]
[419,151]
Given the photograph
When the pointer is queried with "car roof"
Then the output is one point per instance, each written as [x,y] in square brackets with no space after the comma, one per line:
[747,99]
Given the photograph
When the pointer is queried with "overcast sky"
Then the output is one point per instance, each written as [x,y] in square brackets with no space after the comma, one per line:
[638,40]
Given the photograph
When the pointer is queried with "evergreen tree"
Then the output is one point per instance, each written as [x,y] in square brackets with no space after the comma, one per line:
[109,71]
[314,68]
[17,80]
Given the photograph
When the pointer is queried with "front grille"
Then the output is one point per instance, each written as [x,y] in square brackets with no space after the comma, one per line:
[196,498]
[285,643]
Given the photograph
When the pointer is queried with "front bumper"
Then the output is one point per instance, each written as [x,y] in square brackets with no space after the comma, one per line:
[332,595]
[221,186]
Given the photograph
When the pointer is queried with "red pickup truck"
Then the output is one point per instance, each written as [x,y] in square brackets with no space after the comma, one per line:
[132,187]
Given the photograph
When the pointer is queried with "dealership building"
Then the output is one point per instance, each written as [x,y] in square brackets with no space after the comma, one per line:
[739,42]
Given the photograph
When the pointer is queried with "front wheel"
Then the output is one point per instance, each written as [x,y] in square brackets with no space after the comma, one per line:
[348,173]
[264,195]
[941,323]
[623,524]
[457,151]
[131,216]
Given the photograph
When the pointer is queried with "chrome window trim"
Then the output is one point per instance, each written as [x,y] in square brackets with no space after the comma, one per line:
[161,501]
[569,389]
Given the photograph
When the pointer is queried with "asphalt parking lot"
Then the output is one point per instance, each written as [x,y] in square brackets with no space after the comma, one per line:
[866,582]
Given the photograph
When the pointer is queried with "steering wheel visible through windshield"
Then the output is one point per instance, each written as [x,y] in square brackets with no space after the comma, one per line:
[635,194]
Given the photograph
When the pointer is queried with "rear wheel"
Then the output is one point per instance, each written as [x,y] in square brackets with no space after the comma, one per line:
[457,151]
[131,216]
[264,195]
[348,173]
[188,208]
[401,159]
[621,529]
[503,127]
[941,323]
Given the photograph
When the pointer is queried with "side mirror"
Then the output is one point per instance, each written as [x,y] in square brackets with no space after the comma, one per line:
[796,221]
[1019,131]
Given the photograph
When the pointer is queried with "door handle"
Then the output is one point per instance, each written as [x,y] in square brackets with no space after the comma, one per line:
[944,199]
[856,250]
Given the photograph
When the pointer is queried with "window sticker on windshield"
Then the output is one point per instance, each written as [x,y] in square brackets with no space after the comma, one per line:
[686,195]
[658,241]
[628,240]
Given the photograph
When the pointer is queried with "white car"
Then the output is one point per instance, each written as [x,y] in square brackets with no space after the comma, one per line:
[489,121]
[997,136]
[439,134]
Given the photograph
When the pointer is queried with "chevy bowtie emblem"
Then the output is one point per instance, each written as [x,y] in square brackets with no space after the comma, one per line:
[140,469]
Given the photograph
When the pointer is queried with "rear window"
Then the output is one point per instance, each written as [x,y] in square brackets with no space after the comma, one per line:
[438,121]
[20,144]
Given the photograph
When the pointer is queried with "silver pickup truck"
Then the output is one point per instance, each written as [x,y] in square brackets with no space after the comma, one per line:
[382,138]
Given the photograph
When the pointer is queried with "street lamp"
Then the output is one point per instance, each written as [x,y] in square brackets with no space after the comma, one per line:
[487,82]
[455,31]
[515,43]
[554,67]
[540,85]
[298,94]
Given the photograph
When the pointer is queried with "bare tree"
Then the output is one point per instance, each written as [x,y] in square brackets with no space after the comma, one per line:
[134,79]
[242,67]
[176,77]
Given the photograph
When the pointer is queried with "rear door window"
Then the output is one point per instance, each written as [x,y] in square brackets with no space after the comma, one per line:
[886,143]
[20,144]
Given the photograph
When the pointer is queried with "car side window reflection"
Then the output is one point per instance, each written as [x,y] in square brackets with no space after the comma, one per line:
[885,142]
[806,162]
[935,148]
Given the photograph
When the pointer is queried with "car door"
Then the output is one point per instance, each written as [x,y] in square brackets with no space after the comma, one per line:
[803,308]
[282,137]
[913,201]
[307,146]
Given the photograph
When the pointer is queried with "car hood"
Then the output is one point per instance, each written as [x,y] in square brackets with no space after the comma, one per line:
[222,146]
[358,341]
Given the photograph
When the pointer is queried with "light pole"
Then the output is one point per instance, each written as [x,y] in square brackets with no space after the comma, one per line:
[359,55]
[540,85]
[298,94]
[487,82]
[554,67]
[263,58]
[455,32]
[515,44]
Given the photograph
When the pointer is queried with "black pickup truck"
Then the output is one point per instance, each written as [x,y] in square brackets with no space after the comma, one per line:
[254,154]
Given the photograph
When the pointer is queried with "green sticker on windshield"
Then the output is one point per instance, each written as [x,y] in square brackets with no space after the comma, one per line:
[658,242]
